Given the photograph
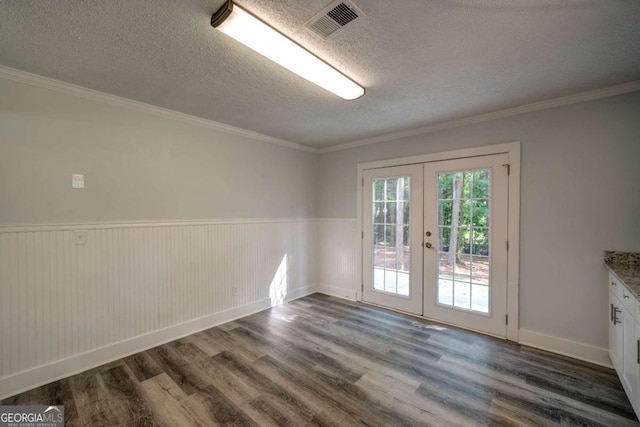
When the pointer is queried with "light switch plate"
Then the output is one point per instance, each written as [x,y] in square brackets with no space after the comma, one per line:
[77,180]
[80,237]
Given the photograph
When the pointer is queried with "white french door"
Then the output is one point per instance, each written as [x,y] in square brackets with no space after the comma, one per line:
[392,224]
[435,240]
[465,232]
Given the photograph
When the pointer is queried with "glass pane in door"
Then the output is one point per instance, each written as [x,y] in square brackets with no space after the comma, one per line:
[463,240]
[391,231]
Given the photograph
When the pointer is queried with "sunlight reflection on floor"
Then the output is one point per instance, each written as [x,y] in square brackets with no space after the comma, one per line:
[278,287]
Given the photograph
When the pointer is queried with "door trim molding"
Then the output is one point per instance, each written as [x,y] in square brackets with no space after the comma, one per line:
[513,263]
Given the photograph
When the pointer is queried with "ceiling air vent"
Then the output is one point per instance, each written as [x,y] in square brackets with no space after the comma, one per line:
[333,18]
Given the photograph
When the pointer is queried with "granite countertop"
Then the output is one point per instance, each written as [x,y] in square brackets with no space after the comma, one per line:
[625,266]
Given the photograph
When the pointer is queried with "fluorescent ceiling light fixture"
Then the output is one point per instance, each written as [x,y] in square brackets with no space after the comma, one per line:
[255,34]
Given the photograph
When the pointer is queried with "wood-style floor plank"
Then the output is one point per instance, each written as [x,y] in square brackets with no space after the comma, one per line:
[323,361]
[164,398]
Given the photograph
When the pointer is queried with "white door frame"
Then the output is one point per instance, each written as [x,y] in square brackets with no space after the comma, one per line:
[512,149]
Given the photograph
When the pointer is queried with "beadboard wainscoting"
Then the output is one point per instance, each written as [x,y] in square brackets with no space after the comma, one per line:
[338,264]
[66,307]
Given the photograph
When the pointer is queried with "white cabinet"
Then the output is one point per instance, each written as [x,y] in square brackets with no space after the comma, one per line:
[624,339]
[635,379]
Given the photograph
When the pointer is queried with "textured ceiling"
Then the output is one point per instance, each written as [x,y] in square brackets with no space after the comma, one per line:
[422,61]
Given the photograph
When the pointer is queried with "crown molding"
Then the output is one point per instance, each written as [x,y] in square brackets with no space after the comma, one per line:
[500,114]
[69,88]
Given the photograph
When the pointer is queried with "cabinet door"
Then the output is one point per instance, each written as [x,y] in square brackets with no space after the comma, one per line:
[618,319]
[629,350]
[635,380]
[615,330]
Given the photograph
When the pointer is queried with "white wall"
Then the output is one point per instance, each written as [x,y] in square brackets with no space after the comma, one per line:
[149,273]
[138,166]
[579,195]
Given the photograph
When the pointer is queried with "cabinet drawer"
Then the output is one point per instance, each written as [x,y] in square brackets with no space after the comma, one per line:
[615,287]
[629,301]
[622,293]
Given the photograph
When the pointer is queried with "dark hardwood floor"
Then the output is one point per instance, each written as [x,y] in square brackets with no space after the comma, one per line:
[324,361]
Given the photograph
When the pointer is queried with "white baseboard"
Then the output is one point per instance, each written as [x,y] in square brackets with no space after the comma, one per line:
[298,293]
[41,375]
[336,291]
[565,347]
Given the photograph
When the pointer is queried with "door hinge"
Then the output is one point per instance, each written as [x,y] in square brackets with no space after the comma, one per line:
[507,245]
[363,182]
[508,166]
[362,288]
[506,319]
[362,236]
